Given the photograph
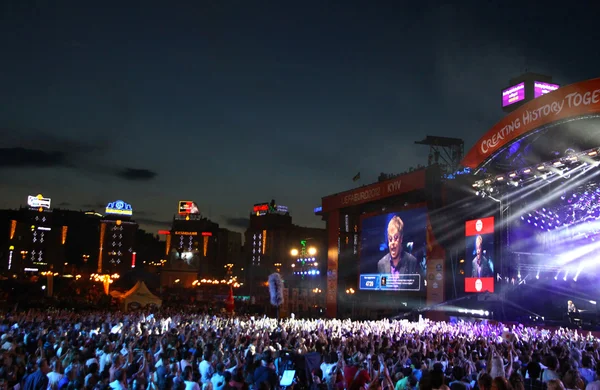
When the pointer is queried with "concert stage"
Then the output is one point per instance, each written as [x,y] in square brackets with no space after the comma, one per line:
[540,166]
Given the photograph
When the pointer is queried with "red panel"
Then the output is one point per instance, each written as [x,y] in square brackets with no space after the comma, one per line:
[479,285]
[333,229]
[574,100]
[207,234]
[261,207]
[475,227]
[164,232]
[399,185]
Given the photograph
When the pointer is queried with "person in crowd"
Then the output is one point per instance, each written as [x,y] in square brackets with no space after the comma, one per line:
[265,373]
[532,380]
[189,350]
[39,379]
[555,384]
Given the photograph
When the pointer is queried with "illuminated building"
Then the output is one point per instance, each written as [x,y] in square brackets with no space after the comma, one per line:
[82,235]
[116,239]
[196,247]
[36,240]
[229,247]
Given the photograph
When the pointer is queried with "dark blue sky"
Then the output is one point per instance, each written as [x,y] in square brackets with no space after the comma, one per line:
[230,103]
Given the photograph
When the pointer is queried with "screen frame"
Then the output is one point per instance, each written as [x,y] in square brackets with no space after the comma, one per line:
[398,209]
[496,251]
[511,87]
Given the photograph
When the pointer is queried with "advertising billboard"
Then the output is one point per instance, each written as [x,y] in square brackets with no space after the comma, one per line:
[269,208]
[188,207]
[479,269]
[119,207]
[38,202]
[514,94]
[540,88]
[393,251]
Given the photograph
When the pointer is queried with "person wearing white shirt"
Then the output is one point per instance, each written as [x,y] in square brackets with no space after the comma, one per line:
[205,368]
[54,376]
[105,358]
[218,379]
[188,379]
[186,361]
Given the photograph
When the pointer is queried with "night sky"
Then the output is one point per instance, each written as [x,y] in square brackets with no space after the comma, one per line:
[231,103]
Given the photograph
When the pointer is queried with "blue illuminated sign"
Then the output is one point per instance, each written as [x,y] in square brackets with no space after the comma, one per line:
[408,282]
[318,209]
[452,176]
[119,208]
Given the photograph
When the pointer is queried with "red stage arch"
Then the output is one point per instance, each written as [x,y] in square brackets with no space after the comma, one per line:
[571,101]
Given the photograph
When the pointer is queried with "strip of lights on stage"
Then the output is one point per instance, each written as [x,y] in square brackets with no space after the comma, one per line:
[561,167]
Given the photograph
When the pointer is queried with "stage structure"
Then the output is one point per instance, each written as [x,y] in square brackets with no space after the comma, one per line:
[539,164]
[444,151]
[382,246]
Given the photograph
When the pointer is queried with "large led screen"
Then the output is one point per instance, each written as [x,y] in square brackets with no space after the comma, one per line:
[393,251]
[479,267]
[513,94]
[540,88]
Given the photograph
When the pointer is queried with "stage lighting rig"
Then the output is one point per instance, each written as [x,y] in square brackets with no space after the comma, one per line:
[561,167]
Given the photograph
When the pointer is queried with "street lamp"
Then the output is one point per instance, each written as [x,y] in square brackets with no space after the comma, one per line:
[350,291]
[106,280]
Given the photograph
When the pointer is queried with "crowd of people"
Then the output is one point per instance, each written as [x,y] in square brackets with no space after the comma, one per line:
[174,350]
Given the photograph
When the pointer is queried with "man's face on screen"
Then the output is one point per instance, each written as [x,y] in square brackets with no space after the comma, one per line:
[394,241]
[479,252]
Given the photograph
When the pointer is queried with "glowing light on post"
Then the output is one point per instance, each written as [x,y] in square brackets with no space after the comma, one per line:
[205,245]
[105,279]
[168,244]
[102,232]
[294,252]
[13,228]
[264,241]
[64,234]
[312,251]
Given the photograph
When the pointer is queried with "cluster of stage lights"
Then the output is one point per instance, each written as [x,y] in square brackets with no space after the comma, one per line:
[544,170]
[306,260]
[311,272]
[481,313]
[573,209]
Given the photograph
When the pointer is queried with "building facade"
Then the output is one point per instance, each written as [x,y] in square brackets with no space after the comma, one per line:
[35,242]
[274,244]
[196,248]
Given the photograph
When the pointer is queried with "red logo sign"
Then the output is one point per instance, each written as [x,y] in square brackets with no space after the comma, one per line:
[188,207]
[479,285]
[398,185]
[261,207]
[480,226]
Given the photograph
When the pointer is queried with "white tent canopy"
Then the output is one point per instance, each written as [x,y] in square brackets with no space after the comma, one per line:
[137,294]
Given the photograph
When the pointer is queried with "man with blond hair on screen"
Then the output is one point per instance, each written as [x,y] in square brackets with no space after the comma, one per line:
[481,266]
[397,261]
